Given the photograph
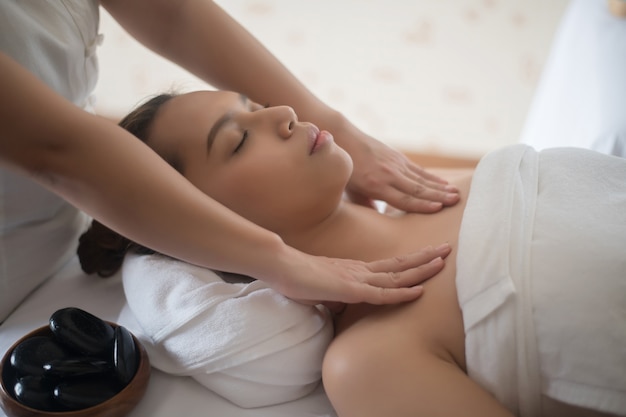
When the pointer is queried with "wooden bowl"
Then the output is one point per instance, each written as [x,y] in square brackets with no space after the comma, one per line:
[119,405]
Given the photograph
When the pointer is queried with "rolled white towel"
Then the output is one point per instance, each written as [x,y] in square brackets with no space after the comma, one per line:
[244,341]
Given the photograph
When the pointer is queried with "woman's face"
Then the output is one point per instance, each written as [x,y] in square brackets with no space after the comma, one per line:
[260,162]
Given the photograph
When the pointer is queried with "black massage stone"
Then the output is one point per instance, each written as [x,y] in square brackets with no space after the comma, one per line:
[125,357]
[35,392]
[76,395]
[76,367]
[82,331]
[83,363]
[30,356]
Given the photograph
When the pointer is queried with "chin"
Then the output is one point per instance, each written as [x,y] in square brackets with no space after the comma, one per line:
[346,163]
[340,177]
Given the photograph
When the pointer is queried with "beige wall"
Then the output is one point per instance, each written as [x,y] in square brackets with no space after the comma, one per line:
[449,76]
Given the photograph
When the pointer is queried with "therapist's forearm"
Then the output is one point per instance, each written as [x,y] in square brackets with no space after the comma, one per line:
[204,39]
[111,175]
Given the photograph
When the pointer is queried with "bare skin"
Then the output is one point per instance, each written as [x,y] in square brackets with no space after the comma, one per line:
[69,151]
[45,137]
[409,359]
[177,30]
[289,177]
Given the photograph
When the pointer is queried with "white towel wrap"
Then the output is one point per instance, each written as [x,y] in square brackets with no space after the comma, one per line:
[542,278]
[245,342]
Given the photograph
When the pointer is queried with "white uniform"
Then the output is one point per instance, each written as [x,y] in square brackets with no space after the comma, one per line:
[55,40]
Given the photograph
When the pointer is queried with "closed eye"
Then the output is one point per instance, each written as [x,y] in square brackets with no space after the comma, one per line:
[241,142]
[244,138]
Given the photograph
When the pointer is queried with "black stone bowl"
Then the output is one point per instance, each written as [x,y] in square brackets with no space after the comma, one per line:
[119,405]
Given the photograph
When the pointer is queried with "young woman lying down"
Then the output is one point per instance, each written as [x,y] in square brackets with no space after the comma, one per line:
[527,316]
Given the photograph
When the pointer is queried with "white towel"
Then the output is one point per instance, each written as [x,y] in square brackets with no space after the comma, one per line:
[581,96]
[542,278]
[492,279]
[246,342]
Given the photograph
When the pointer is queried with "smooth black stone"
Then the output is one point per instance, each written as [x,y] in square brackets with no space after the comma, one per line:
[82,332]
[35,392]
[9,376]
[76,367]
[125,358]
[29,357]
[76,395]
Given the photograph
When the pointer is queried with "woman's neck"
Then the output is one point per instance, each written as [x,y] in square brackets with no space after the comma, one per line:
[351,231]
[357,232]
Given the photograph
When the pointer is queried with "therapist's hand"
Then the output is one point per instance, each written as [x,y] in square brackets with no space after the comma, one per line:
[382,173]
[332,281]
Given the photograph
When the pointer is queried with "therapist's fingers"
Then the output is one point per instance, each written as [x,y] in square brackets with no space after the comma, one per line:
[414,194]
[416,198]
[410,260]
[408,188]
[420,172]
[382,296]
[331,280]
[385,287]
[382,173]
[408,270]
[395,280]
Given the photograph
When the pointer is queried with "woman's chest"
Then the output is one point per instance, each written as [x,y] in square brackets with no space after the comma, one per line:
[435,319]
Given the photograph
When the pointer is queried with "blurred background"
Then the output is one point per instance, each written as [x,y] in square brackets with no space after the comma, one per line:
[451,77]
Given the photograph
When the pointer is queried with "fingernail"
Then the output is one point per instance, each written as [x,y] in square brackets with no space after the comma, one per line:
[436,260]
[451,188]
[443,246]
[452,198]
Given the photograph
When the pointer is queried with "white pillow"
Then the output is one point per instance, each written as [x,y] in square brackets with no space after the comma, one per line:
[244,341]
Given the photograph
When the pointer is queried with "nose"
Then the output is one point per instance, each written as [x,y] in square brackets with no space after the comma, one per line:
[283,119]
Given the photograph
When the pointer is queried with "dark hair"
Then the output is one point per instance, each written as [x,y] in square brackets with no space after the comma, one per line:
[100,249]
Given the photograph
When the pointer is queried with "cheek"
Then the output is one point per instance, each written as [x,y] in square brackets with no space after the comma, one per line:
[255,191]
[283,192]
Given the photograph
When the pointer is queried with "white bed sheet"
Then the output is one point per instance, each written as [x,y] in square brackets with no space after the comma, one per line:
[167,395]
[581,96]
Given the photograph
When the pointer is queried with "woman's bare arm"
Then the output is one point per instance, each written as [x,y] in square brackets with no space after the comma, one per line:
[201,37]
[385,372]
[417,384]
[111,175]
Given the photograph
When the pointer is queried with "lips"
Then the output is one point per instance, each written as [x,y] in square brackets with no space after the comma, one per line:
[317,139]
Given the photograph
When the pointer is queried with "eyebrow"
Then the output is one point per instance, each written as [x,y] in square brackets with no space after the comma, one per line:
[219,123]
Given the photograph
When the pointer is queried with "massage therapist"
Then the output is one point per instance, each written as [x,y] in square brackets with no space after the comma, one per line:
[58,160]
